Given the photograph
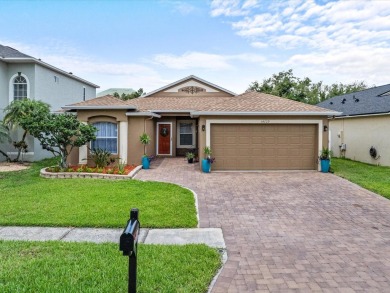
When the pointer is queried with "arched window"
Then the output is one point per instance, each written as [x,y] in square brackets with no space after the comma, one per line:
[20,88]
[106,137]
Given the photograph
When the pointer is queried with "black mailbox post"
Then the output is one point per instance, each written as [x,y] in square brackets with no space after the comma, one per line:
[128,245]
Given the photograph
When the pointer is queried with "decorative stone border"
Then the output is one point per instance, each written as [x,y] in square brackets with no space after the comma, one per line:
[69,175]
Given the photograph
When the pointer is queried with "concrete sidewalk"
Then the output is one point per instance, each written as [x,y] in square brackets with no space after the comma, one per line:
[210,236]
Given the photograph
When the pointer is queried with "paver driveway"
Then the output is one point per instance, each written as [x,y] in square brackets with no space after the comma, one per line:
[290,231]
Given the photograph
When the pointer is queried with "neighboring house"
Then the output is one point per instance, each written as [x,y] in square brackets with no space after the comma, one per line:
[251,131]
[23,76]
[363,125]
[111,91]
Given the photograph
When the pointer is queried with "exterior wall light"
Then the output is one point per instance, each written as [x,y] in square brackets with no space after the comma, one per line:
[203,127]
[325,128]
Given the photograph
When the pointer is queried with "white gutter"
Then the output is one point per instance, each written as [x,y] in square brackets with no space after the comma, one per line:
[44,64]
[364,115]
[99,107]
[198,113]
[132,114]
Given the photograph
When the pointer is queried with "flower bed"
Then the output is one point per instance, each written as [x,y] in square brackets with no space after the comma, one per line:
[83,171]
[124,170]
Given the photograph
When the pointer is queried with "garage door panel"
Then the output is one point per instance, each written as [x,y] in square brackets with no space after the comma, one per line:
[264,146]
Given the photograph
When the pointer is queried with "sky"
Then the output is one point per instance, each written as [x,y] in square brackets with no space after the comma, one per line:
[148,44]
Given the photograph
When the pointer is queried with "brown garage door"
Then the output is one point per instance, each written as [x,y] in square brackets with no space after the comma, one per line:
[264,146]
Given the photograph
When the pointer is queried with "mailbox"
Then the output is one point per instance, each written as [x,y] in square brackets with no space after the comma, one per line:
[129,238]
[128,243]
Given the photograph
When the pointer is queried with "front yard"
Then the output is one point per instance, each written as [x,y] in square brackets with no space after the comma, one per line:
[371,177]
[87,267]
[29,200]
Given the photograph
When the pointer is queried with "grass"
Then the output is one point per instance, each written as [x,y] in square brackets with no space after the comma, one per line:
[371,177]
[27,199]
[87,267]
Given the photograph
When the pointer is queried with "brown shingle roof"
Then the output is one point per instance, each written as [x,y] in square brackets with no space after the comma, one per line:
[247,102]
[261,102]
[107,100]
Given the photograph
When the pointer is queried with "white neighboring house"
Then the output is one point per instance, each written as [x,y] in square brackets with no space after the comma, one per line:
[23,76]
[361,133]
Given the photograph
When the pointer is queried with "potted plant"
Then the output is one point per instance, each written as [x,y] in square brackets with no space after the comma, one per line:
[145,140]
[208,160]
[325,155]
[190,157]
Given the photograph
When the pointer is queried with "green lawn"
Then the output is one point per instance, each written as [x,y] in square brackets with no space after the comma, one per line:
[28,199]
[371,177]
[87,267]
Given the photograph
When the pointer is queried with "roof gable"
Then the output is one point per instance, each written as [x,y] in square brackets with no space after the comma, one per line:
[190,85]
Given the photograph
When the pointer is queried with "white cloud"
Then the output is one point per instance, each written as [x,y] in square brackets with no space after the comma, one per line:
[193,60]
[338,39]
[105,74]
[259,45]
[200,60]
[183,8]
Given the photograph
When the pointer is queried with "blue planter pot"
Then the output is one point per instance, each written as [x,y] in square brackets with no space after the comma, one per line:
[325,164]
[145,163]
[206,166]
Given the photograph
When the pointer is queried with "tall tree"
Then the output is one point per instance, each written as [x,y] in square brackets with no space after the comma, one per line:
[133,95]
[24,113]
[285,84]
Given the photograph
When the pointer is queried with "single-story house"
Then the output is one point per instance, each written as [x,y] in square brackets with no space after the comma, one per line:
[251,131]
[362,131]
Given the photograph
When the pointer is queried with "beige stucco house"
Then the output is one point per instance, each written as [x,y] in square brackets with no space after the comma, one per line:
[251,131]
[363,125]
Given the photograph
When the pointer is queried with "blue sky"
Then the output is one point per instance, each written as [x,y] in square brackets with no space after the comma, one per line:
[231,43]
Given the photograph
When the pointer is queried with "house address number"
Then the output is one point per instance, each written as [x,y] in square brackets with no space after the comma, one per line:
[265,121]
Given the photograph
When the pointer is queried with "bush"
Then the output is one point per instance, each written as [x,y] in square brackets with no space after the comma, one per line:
[100,157]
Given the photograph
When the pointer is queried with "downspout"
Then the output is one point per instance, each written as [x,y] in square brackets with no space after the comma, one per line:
[145,122]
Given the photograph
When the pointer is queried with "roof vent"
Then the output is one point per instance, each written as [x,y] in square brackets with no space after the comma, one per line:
[356,100]
[331,103]
[343,101]
[70,73]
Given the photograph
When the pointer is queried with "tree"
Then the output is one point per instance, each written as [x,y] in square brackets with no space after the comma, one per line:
[24,113]
[60,133]
[4,137]
[133,95]
[285,84]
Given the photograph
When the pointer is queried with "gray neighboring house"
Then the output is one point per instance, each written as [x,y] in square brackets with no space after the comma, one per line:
[24,76]
[364,124]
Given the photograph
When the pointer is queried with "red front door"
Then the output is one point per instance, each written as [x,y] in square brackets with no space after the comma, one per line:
[164,139]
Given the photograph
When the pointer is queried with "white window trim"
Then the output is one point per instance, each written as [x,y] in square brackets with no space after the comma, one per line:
[265,121]
[11,86]
[178,145]
[158,138]
[117,136]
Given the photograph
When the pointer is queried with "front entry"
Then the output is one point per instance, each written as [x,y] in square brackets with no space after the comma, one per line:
[164,134]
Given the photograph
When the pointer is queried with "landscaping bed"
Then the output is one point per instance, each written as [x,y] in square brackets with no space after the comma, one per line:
[86,267]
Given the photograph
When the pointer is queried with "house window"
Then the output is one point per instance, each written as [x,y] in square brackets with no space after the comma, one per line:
[20,88]
[106,137]
[83,93]
[186,134]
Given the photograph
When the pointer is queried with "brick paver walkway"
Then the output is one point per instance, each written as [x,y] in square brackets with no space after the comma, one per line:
[290,231]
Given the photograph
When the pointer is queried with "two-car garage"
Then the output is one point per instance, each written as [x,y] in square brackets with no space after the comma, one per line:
[264,145]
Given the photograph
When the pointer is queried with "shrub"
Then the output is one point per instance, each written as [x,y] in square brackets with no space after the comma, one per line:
[100,157]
